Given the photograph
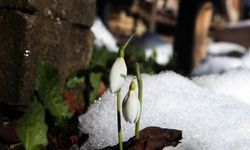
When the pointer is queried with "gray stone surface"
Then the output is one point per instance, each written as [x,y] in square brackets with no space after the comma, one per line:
[75,11]
[26,39]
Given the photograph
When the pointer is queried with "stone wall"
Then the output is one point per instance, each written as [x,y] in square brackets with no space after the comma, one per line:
[33,30]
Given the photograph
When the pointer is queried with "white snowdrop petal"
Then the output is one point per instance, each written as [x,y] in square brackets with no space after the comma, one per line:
[124,112]
[131,107]
[118,74]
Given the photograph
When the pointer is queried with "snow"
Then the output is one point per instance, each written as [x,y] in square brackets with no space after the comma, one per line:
[212,111]
[246,60]
[218,62]
[103,37]
[216,48]
[164,53]
[222,84]
[151,42]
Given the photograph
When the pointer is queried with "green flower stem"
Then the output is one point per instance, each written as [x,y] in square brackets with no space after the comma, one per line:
[119,119]
[140,85]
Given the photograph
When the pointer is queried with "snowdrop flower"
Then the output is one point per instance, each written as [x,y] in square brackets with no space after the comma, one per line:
[118,72]
[131,105]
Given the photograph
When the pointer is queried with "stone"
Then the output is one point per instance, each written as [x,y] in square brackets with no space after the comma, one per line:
[26,39]
[80,12]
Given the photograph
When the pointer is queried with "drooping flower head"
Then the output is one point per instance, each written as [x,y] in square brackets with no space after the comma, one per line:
[131,105]
[118,71]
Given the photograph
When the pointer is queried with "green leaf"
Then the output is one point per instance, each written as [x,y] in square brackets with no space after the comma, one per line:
[100,57]
[95,79]
[32,129]
[50,91]
[74,81]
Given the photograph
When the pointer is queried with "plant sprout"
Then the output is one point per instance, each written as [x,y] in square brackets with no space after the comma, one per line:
[117,78]
[131,105]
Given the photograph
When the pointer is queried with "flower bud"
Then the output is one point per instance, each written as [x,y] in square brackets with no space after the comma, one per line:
[131,105]
[118,74]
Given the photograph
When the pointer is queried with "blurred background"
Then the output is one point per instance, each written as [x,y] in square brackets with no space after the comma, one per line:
[185,36]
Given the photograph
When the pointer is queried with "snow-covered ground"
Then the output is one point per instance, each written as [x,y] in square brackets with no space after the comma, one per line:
[233,83]
[218,61]
[212,111]
[219,48]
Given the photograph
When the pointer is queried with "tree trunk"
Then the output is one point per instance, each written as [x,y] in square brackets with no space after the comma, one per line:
[191,33]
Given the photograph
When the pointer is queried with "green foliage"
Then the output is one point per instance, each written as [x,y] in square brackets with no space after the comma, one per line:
[50,91]
[148,66]
[32,129]
[96,72]
[93,75]
[95,80]
[100,57]
[74,81]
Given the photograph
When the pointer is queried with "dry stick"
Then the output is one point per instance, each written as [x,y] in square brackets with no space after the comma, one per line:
[139,81]
[119,119]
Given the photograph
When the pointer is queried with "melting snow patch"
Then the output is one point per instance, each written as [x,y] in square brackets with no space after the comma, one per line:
[209,120]
[220,64]
[151,42]
[103,36]
[224,48]
[246,60]
[217,64]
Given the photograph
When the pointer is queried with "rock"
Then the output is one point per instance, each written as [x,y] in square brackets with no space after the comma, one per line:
[80,12]
[27,39]
[152,138]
